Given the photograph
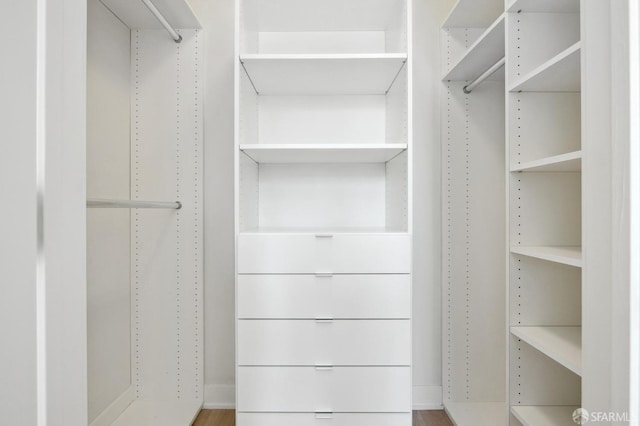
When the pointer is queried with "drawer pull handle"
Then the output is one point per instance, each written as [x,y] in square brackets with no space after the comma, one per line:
[324,275]
[324,367]
[324,235]
[324,320]
[324,415]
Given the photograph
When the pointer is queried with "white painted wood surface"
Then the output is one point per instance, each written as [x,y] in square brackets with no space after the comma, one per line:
[347,296]
[562,344]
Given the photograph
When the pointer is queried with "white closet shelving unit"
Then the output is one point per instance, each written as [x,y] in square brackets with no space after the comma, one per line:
[545,213]
[323,212]
[144,142]
[473,177]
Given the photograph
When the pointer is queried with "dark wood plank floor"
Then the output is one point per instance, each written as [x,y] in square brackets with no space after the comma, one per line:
[227,418]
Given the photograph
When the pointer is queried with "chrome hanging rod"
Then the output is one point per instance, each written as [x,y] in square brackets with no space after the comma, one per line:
[488,73]
[152,7]
[132,204]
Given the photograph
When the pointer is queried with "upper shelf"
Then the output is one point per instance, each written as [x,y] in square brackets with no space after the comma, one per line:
[569,162]
[549,6]
[562,344]
[566,255]
[483,54]
[135,14]
[473,13]
[340,74]
[322,153]
[559,74]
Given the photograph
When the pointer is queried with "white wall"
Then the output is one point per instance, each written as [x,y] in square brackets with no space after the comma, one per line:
[217,17]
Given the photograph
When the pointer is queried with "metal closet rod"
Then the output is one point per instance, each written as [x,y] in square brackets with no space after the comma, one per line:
[132,204]
[488,73]
[152,7]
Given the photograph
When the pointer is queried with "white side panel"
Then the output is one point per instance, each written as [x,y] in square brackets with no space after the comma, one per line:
[108,230]
[18,245]
[322,195]
[323,419]
[322,119]
[473,243]
[336,296]
[323,253]
[317,389]
[166,268]
[324,342]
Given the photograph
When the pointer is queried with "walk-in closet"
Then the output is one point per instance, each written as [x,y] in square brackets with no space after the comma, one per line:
[320,213]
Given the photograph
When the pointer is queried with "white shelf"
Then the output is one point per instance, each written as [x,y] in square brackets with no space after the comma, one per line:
[165,413]
[476,413]
[322,230]
[544,415]
[473,13]
[483,54]
[322,153]
[135,14]
[342,74]
[569,162]
[548,6]
[567,255]
[559,74]
[562,344]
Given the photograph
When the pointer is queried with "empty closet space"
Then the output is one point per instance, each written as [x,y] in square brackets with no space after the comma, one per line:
[473,213]
[545,210]
[144,216]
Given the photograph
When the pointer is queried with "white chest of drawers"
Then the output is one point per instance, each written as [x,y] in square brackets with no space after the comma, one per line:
[329,348]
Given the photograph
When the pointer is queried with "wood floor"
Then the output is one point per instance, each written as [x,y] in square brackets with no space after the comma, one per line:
[227,418]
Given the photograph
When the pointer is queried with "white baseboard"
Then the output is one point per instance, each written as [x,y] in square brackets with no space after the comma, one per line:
[117,407]
[219,397]
[224,396]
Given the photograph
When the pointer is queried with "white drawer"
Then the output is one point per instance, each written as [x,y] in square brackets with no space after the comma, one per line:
[335,296]
[323,419]
[324,342]
[313,389]
[323,253]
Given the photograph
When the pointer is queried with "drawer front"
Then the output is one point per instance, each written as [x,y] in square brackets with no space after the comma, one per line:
[334,296]
[314,389]
[323,419]
[310,254]
[324,342]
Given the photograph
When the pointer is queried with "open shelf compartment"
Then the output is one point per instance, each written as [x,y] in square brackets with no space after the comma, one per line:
[562,344]
[320,74]
[473,13]
[569,162]
[559,74]
[571,256]
[488,49]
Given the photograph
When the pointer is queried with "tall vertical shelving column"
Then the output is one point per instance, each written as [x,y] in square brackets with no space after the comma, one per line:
[473,215]
[545,211]
[323,212]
